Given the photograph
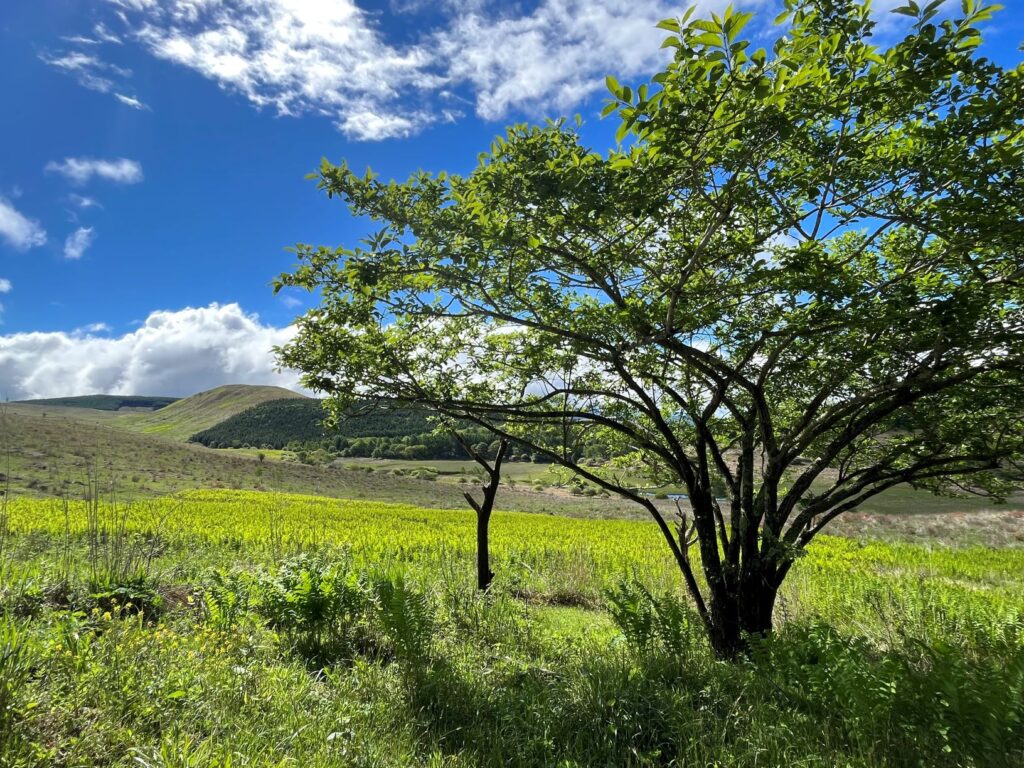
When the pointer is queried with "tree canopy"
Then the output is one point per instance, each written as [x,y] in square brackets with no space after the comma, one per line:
[799,276]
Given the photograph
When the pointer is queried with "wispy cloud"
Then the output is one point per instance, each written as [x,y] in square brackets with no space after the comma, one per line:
[83,201]
[82,169]
[18,230]
[5,285]
[92,72]
[78,242]
[86,68]
[131,101]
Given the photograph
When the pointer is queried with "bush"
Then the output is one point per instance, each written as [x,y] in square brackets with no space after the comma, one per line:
[653,623]
[406,618]
[226,599]
[136,595]
[318,602]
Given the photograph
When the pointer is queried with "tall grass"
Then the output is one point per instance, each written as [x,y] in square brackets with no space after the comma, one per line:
[351,635]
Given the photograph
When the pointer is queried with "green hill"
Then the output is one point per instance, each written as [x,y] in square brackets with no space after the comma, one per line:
[52,452]
[392,432]
[104,402]
[184,418]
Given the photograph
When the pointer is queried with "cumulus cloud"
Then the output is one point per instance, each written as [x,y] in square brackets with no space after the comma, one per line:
[78,242]
[5,285]
[175,353]
[555,56]
[293,56]
[80,170]
[18,230]
[337,60]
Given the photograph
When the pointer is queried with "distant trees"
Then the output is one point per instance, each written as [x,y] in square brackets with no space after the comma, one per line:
[797,284]
[388,433]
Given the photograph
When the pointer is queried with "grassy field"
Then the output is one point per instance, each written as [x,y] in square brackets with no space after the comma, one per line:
[184,418]
[54,452]
[224,628]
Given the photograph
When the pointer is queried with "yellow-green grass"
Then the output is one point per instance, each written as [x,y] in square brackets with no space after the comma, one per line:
[181,420]
[887,655]
[555,557]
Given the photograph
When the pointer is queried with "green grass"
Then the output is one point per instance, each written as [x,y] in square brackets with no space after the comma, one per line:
[54,451]
[295,630]
[184,418]
[104,402]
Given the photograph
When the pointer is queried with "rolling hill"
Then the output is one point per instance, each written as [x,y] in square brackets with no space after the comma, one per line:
[105,402]
[51,452]
[184,418]
[277,423]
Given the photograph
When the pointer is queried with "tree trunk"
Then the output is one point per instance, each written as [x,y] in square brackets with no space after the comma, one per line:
[483,509]
[757,606]
[484,574]
[742,614]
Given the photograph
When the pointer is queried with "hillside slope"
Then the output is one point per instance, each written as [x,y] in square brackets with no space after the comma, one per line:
[52,452]
[277,423]
[104,402]
[182,419]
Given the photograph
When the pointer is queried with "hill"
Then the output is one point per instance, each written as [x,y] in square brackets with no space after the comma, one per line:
[52,453]
[104,402]
[277,423]
[184,418]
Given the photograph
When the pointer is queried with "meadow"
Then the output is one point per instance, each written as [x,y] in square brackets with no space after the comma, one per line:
[228,628]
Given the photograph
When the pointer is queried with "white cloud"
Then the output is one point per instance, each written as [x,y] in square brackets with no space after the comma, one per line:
[90,71]
[83,201]
[18,230]
[5,285]
[334,59]
[294,56]
[91,328]
[87,69]
[78,242]
[81,169]
[556,56]
[370,125]
[131,101]
[173,353]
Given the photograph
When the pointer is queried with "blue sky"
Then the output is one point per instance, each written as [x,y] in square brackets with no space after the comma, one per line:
[154,155]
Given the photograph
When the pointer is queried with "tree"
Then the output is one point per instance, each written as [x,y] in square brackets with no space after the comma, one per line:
[799,278]
[485,506]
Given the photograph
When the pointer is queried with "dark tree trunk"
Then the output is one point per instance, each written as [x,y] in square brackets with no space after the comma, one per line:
[483,509]
[484,574]
[742,613]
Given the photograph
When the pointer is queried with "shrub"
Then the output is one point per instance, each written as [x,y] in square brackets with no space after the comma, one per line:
[652,623]
[406,617]
[318,602]
[226,599]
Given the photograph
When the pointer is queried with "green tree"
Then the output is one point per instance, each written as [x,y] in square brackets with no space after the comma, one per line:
[798,278]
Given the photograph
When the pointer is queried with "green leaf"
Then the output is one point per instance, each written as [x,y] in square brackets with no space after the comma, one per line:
[708,39]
